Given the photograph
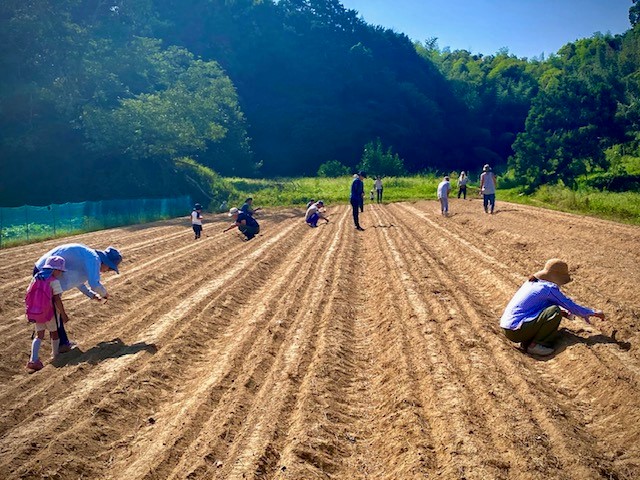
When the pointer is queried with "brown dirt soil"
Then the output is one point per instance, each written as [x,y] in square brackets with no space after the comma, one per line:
[330,353]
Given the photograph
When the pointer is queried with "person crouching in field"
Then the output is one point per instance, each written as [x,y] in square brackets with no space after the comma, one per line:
[196,220]
[533,315]
[314,214]
[245,223]
[43,300]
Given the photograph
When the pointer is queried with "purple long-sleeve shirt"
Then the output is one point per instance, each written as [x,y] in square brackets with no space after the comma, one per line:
[532,298]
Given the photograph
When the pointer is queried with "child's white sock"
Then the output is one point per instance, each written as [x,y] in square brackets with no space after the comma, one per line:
[35,349]
[55,347]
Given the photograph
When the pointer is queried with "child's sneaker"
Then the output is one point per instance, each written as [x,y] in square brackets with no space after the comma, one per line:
[35,366]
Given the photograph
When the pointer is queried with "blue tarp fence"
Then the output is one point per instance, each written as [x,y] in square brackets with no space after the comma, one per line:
[29,223]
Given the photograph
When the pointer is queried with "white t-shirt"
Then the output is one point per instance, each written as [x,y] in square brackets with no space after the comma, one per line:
[443,189]
[196,218]
[378,184]
[489,185]
[311,210]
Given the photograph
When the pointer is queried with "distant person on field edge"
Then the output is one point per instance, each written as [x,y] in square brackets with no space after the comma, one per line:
[378,187]
[357,192]
[444,187]
[488,188]
[245,223]
[533,315]
[462,184]
[314,214]
[196,220]
[41,309]
[247,207]
[83,265]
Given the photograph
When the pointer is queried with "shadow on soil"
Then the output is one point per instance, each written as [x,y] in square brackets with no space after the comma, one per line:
[102,351]
[568,338]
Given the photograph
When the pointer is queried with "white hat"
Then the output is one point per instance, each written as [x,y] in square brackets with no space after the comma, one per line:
[233,211]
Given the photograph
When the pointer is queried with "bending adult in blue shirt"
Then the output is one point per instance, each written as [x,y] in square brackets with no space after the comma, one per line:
[357,194]
[533,315]
[84,266]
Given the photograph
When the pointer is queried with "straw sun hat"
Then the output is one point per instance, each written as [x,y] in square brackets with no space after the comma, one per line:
[556,271]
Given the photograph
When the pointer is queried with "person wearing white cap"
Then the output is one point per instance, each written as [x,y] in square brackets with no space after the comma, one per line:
[245,223]
[444,187]
[462,185]
[83,268]
[43,300]
[488,188]
[533,315]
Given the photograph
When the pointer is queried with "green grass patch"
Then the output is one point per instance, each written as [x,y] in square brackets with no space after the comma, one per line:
[296,192]
[620,207]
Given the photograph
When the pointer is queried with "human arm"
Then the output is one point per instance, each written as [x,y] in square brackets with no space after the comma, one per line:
[572,307]
[233,225]
[57,301]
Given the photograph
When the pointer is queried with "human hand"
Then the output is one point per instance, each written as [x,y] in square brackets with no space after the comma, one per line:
[599,314]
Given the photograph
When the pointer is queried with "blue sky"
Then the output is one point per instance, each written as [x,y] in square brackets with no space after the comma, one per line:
[526,27]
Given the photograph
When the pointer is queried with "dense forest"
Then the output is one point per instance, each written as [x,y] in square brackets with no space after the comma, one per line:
[137,98]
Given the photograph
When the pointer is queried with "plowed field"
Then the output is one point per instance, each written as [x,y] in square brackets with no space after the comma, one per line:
[330,353]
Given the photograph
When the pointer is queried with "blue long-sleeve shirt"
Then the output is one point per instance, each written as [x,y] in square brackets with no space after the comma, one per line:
[357,189]
[532,298]
[83,266]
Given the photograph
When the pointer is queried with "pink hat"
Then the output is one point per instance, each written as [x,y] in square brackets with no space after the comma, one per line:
[55,262]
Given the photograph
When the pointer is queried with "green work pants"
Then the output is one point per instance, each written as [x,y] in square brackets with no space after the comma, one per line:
[542,330]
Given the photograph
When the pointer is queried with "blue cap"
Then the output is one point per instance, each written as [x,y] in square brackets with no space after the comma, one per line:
[110,257]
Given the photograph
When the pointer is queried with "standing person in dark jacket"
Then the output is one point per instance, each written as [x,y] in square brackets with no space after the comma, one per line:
[357,194]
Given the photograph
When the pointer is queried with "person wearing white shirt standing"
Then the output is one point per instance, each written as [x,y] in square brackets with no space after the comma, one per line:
[377,185]
[488,188]
[533,315]
[462,184]
[196,220]
[444,187]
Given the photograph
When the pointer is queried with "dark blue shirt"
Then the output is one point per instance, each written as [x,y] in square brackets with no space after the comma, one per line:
[357,189]
[250,221]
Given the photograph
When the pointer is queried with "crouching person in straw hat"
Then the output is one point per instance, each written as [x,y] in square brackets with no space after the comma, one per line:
[533,315]
[83,266]
[245,223]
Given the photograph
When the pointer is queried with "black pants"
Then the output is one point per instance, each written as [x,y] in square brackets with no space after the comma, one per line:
[197,229]
[249,231]
[62,334]
[355,207]
[463,191]
[379,195]
[362,204]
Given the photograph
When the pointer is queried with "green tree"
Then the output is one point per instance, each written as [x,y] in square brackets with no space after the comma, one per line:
[333,168]
[376,161]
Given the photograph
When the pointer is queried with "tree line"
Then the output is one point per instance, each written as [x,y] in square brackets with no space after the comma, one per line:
[135,98]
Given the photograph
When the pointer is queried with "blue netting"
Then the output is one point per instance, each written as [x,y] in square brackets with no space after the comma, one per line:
[32,223]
